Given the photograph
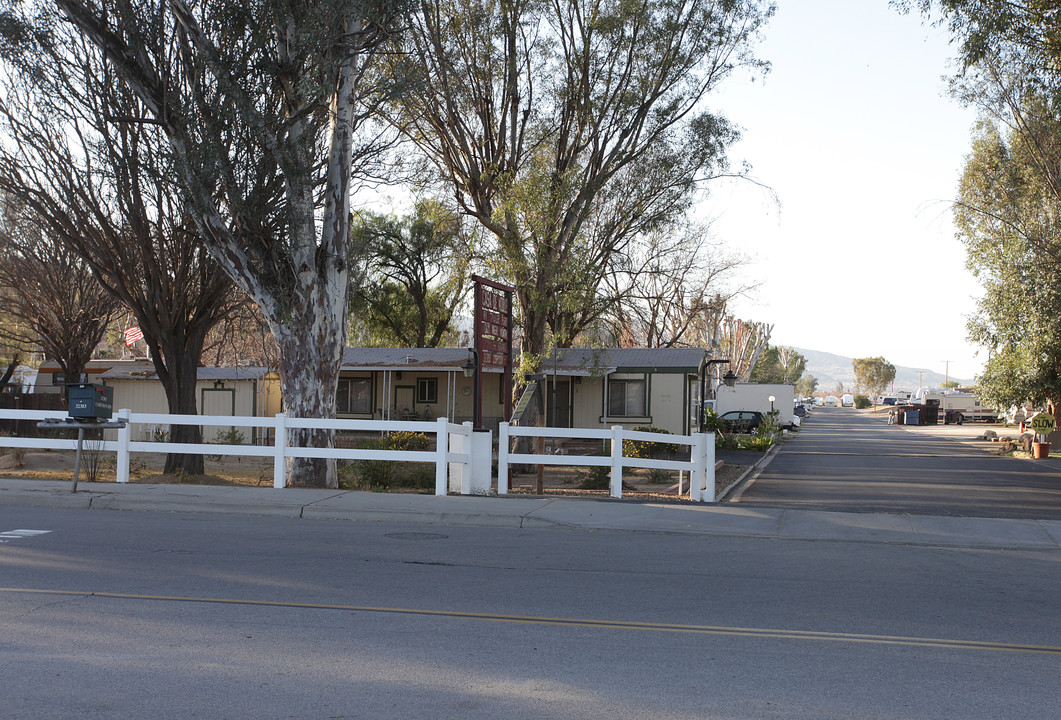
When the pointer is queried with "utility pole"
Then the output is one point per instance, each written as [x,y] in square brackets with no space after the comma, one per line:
[946,374]
[920,379]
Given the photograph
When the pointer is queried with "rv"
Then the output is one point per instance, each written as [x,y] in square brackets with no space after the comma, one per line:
[956,407]
[847,400]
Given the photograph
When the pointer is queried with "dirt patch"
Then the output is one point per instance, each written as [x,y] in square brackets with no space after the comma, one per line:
[143,468]
[638,484]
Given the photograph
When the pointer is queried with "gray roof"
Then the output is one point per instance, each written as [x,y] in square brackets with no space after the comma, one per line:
[570,361]
[147,372]
[405,358]
[583,360]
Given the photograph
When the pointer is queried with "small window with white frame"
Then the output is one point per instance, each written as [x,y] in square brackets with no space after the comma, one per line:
[427,391]
[627,397]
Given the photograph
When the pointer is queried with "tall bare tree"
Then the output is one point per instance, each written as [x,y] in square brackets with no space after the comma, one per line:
[264,107]
[568,128]
[48,294]
[663,284]
[98,178]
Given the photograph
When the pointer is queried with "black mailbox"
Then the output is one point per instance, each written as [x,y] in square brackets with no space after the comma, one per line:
[90,401]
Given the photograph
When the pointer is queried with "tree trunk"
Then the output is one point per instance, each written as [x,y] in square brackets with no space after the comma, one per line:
[179,383]
[311,348]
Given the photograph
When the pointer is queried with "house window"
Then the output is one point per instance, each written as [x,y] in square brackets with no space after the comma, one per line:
[427,390]
[354,396]
[626,398]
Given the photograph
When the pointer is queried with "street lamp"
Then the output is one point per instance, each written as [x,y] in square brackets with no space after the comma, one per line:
[471,370]
[729,379]
[772,403]
[703,388]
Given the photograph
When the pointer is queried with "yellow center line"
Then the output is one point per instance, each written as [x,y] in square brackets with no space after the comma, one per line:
[584,622]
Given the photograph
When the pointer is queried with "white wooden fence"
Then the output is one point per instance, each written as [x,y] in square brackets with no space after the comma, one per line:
[700,466]
[462,457]
[456,446]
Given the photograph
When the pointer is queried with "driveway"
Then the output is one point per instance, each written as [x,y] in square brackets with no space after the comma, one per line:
[853,461]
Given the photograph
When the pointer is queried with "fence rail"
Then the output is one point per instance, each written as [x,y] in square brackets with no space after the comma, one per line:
[700,465]
[452,455]
[462,458]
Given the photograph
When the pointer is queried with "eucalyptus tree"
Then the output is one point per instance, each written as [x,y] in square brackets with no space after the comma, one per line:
[873,374]
[568,128]
[1009,219]
[264,107]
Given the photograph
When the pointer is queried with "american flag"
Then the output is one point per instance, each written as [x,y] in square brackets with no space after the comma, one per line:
[133,335]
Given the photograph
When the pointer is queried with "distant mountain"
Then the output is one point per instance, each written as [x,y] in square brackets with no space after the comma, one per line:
[831,369]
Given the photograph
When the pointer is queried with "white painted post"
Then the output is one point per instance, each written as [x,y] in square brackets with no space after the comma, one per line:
[459,442]
[502,459]
[709,464]
[442,448]
[482,444]
[698,477]
[122,470]
[280,451]
[617,461]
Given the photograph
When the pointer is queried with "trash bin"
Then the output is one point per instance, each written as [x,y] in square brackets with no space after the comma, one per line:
[912,417]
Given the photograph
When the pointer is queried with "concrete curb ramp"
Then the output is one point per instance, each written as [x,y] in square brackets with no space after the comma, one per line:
[535,512]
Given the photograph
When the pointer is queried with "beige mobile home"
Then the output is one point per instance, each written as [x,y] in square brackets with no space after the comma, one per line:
[246,391]
[416,384]
[602,387]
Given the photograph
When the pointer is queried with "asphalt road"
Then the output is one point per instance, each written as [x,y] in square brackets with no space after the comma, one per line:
[851,461]
[177,615]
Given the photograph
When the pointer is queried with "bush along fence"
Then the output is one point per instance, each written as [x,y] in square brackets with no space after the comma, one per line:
[462,458]
[700,465]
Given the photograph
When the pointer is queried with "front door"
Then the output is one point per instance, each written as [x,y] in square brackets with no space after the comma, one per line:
[404,402]
[558,403]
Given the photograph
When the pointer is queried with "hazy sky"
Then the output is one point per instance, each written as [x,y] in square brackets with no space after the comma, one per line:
[855,132]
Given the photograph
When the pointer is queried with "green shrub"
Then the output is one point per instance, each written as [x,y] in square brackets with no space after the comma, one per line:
[230,436]
[658,477]
[596,478]
[862,402]
[383,475]
[644,449]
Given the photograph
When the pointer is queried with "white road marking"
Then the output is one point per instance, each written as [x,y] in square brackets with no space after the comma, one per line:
[19,534]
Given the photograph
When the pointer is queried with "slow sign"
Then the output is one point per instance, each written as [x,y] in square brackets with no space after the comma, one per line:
[1043,423]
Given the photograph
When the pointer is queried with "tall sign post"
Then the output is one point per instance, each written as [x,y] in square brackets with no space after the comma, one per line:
[493,336]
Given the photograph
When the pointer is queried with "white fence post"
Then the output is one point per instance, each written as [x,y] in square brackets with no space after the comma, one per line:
[280,446]
[698,477]
[460,442]
[709,464]
[502,458]
[617,461]
[479,462]
[442,448]
[122,462]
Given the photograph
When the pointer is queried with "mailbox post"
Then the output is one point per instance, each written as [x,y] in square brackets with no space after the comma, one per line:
[90,407]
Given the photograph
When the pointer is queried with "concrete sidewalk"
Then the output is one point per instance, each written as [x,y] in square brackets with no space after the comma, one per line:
[540,512]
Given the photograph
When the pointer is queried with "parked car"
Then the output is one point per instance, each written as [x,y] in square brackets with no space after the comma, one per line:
[741,421]
[799,411]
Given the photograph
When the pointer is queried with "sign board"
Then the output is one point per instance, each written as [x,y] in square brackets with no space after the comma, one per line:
[1043,423]
[493,334]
